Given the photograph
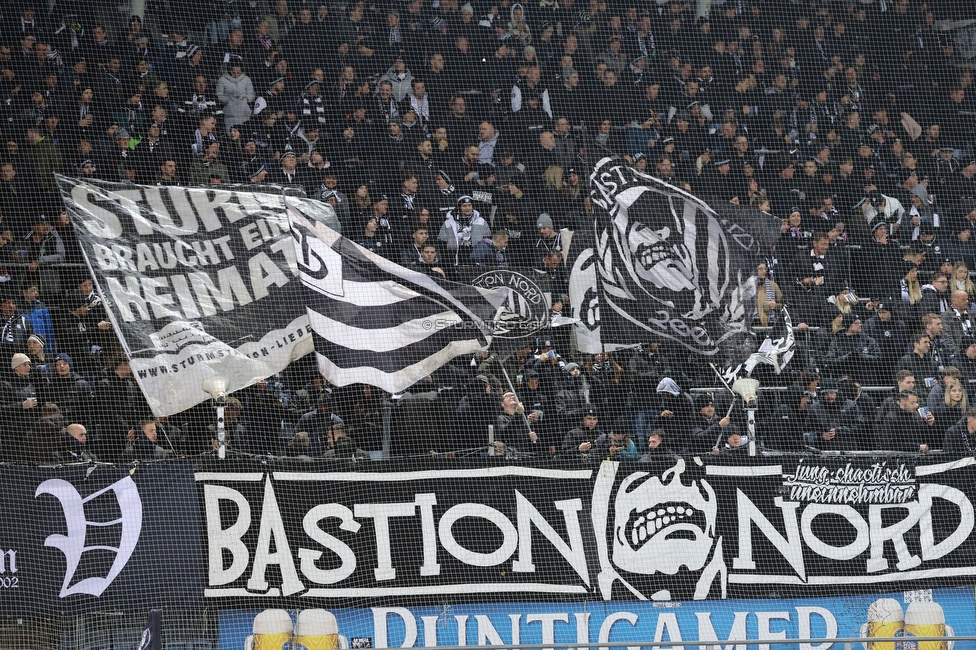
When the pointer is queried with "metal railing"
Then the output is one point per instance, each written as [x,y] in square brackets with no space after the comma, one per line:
[777,389]
[714,645]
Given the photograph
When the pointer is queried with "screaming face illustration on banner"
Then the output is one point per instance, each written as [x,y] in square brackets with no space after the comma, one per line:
[660,527]
[649,526]
[663,260]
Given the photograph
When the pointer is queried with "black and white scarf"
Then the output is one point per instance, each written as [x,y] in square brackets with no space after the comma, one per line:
[770,297]
[408,200]
[199,145]
[313,107]
[965,321]
[421,107]
[388,109]
[12,324]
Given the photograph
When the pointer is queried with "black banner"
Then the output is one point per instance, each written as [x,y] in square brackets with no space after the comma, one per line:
[99,539]
[198,282]
[611,531]
[417,533]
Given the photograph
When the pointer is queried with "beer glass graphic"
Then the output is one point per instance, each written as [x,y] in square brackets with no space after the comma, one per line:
[317,629]
[272,631]
[885,619]
[925,619]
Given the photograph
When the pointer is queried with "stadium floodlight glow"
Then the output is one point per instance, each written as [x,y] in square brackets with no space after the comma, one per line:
[216,387]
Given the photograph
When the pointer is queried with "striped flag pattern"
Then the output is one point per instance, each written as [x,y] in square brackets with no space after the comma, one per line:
[379,323]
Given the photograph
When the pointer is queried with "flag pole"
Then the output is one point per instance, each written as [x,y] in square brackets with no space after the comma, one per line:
[721,378]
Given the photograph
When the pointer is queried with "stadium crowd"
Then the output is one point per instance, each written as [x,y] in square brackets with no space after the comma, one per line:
[453,135]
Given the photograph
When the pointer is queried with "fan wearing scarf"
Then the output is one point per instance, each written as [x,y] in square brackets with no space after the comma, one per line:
[463,228]
[769,297]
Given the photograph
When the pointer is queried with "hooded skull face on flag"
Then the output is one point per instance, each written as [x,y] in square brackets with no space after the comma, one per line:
[667,264]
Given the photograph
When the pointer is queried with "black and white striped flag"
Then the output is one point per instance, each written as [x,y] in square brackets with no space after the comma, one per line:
[379,323]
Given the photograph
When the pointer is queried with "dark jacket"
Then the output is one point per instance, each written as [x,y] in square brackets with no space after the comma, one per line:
[922,367]
[892,337]
[847,354]
[576,437]
[145,449]
[72,394]
[934,302]
[317,425]
[14,332]
[784,428]
[809,306]
[706,434]
[958,440]
[660,456]
[33,445]
[14,418]
[887,405]
[69,450]
[946,417]
[573,399]
[844,417]
[43,440]
[952,328]
[902,431]
[76,336]
[513,430]
[120,405]
[876,270]
[345,447]
[677,429]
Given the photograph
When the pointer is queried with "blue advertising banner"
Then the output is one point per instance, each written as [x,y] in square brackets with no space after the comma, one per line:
[733,623]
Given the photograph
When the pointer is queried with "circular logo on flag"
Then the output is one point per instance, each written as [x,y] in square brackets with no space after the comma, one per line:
[525,312]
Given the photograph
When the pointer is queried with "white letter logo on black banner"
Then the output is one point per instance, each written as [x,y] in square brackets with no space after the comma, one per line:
[73,544]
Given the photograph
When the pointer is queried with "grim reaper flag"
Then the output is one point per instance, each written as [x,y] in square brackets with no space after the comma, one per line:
[668,265]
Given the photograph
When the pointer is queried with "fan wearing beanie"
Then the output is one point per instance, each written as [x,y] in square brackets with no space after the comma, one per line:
[18,412]
[35,350]
[68,389]
[19,360]
[16,328]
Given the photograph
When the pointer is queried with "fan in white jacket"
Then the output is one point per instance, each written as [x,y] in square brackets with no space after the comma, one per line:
[236,93]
